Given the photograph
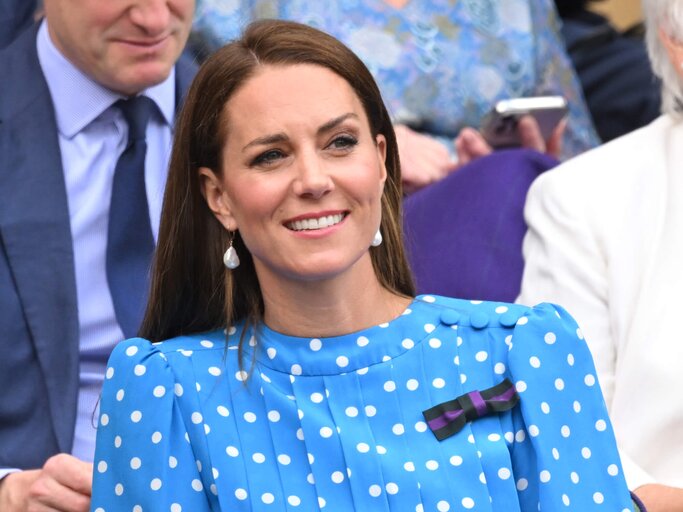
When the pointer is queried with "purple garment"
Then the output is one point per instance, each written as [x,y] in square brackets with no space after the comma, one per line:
[464,233]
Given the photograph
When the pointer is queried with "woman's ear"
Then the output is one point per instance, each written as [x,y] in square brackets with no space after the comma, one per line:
[381,144]
[675,50]
[216,198]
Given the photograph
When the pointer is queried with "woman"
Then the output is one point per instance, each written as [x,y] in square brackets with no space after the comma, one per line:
[304,374]
[441,66]
[605,239]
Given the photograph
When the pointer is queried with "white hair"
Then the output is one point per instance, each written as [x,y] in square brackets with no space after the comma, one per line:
[666,15]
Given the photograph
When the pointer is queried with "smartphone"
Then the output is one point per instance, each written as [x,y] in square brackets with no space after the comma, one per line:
[499,126]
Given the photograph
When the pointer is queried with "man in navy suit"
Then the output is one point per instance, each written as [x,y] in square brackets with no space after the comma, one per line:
[62,131]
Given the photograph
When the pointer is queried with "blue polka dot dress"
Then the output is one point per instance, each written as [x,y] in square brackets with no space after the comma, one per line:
[337,423]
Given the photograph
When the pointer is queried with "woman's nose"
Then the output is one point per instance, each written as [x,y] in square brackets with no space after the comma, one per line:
[312,178]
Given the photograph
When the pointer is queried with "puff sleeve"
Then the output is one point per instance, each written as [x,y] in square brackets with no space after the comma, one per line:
[143,458]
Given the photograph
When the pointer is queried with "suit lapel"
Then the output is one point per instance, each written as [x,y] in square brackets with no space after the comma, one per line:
[35,228]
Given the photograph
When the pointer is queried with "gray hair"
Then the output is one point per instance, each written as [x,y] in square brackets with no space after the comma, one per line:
[666,15]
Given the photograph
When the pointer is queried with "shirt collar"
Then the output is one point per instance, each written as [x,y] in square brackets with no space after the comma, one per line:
[76,111]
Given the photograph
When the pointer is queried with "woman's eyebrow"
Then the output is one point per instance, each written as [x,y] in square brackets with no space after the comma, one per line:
[333,123]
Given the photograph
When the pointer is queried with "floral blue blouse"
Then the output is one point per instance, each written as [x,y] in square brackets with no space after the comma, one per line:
[440,64]
[339,423]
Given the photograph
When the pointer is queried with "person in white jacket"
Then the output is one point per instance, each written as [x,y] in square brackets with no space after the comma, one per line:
[605,240]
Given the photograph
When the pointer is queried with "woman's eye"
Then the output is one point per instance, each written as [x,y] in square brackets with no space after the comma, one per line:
[343,142]
[267,157]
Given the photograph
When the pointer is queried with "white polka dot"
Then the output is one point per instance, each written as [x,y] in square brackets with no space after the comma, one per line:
[565,500]
[156,437]
[273,416]
[131,351]
[456,360]
[240,494]
[570,359]
[196,418]
[429,328]
[533,430]
[267,498]
[443,506]
[375,490]
[321,502]
[362,341]
[342,361]
[299,434]
[155,484]
[435,343]
[159,391]
[429,298]
[215,371]
[535,362]
[117,441]
[545,407]
[120,394]
[589,380]
[241,375]
[523,321]
[432,465]
[249,417]
[586,452]
[316,398]
[337,477]
[398,429]
[600,425]
[575,477]
[380,449]
[284,459]
[389,386]
[520,386]
[550,338]
[559,384]
[197,485]
[198,386]
[467,502]
[258,457]
[556,454]
[504,473]
[409,466]
[598,498]
[412,384]
[139,370]
[565,431]
[520,436]
[326,432]
[456,460]
[612,470]
[223,411]
[522,483]
[294,501]
[118,489]
[271,352]
[232,451]
[178,390]
[351,412]
[421,426]
[206,344]
[481,356]
[311,458]
[391,488]
[499,368]
[296,369]
[135,463]
[135,416]
[104,420]
[438,383]
[463,378]
[408,343]
[509,437]
[501,309]
[101,466]
[315,344]
[363,447]
[544,476]
[370,411]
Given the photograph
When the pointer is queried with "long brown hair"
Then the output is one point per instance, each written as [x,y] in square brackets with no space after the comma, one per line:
[191,290]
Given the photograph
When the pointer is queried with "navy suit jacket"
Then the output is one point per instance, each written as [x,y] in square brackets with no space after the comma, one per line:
[39,334]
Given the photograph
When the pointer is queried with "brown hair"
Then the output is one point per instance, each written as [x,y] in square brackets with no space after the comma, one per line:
[191,290]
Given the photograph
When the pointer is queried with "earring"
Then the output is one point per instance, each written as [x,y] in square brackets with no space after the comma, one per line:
[230,258]
[378,239]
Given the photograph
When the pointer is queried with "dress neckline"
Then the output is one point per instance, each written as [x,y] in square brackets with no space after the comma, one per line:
[347,353]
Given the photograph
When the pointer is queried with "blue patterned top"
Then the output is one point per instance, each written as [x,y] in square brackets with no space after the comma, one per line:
[337,423]
[440,64]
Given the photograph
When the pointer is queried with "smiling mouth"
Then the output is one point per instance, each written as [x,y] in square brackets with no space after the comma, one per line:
[325,221]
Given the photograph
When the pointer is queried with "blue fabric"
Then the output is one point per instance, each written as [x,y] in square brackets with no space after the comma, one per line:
[130,242]
[39,344]
[440,64]
[337,422]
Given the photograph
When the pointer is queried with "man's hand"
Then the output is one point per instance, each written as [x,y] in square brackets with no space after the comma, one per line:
[423,159]
[63,484]
[660,498]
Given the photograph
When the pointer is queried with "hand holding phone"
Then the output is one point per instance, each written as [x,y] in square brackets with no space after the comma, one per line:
[500,126]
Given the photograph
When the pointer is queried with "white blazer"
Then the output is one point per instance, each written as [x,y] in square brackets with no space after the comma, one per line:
[605,240]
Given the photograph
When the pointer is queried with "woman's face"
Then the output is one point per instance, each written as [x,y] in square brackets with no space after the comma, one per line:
[302,175]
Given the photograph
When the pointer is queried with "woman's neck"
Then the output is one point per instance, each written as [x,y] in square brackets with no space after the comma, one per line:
[332,307]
